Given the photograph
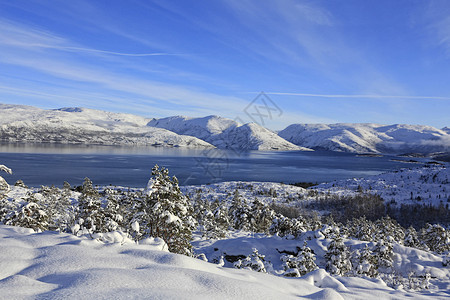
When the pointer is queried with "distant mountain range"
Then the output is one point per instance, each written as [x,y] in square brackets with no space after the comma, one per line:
[19,123]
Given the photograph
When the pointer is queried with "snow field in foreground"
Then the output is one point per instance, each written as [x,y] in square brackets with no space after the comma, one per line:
[50,265]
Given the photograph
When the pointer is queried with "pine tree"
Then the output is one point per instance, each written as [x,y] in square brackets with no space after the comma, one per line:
[261,217]
[436,238]
[384,254]
[301,264]
[113,212]
[387,227]
[239,212]
[362,229]
[330,231]
[412,239]
[366,263]
[338,257]
[90,215]
[163,211]
[286,227]
[58,208]
[254,261]
[29,215]
[221,221]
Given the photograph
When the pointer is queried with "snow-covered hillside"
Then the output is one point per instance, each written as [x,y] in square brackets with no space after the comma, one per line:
[86,126]
[251,240]
[50,265]
[226,134]
[373,138]
[422,185]
[428,185]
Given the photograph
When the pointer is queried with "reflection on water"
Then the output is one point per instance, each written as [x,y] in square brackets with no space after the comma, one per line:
[46,164]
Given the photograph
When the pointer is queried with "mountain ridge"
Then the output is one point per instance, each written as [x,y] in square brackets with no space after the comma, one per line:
[21,123]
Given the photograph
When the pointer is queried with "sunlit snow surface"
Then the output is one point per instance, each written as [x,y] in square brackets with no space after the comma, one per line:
[61,266]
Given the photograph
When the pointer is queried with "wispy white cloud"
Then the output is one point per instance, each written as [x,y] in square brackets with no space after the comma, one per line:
[362,96]
[19,36]
[435,20]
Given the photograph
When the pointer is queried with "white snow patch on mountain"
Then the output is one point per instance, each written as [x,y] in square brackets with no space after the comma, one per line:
[367,137]
[226,134]
[20,123]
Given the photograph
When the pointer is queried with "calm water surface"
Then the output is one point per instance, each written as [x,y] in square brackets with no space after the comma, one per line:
[131,166]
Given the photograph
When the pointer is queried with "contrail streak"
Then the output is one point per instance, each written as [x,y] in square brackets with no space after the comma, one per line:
[359,96]
[112,52]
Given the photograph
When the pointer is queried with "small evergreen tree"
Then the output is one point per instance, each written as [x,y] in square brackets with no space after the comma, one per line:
[221,221]
[113,212]
[163,211]
[239,212]
[384,255]
[366,263]
[436,238]
[286,227]
[338,257]
[90,215]
[58,208]
[301,264]
[260,216]
[254,261]
[387,227]
[30,215]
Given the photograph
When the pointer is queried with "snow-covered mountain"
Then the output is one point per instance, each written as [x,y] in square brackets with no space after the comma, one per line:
[225,133]
[20,123]
[372,138]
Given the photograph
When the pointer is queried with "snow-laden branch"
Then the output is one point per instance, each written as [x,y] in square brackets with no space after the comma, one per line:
[5,169]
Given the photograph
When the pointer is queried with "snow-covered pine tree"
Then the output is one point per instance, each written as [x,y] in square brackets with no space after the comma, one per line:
[330,231]
[239,212]
[388,227]
[58,208]
[286,227]
[113,211]
[384,255]
[361,228]
[165,212]
[436,237]
[254,261]
[301,264]
[4,186]
[204,216]
[261,217]
[90,215]
[29,215]
[338,257]
[366,264]
[221,220]
[412,239]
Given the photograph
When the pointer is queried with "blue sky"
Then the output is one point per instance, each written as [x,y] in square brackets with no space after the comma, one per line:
[319,61]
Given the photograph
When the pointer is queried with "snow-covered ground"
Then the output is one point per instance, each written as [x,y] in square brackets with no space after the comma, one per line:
[418,185]
[421,185]
[61,266]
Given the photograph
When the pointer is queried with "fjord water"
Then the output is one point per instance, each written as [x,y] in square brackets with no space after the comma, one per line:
[131,166]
